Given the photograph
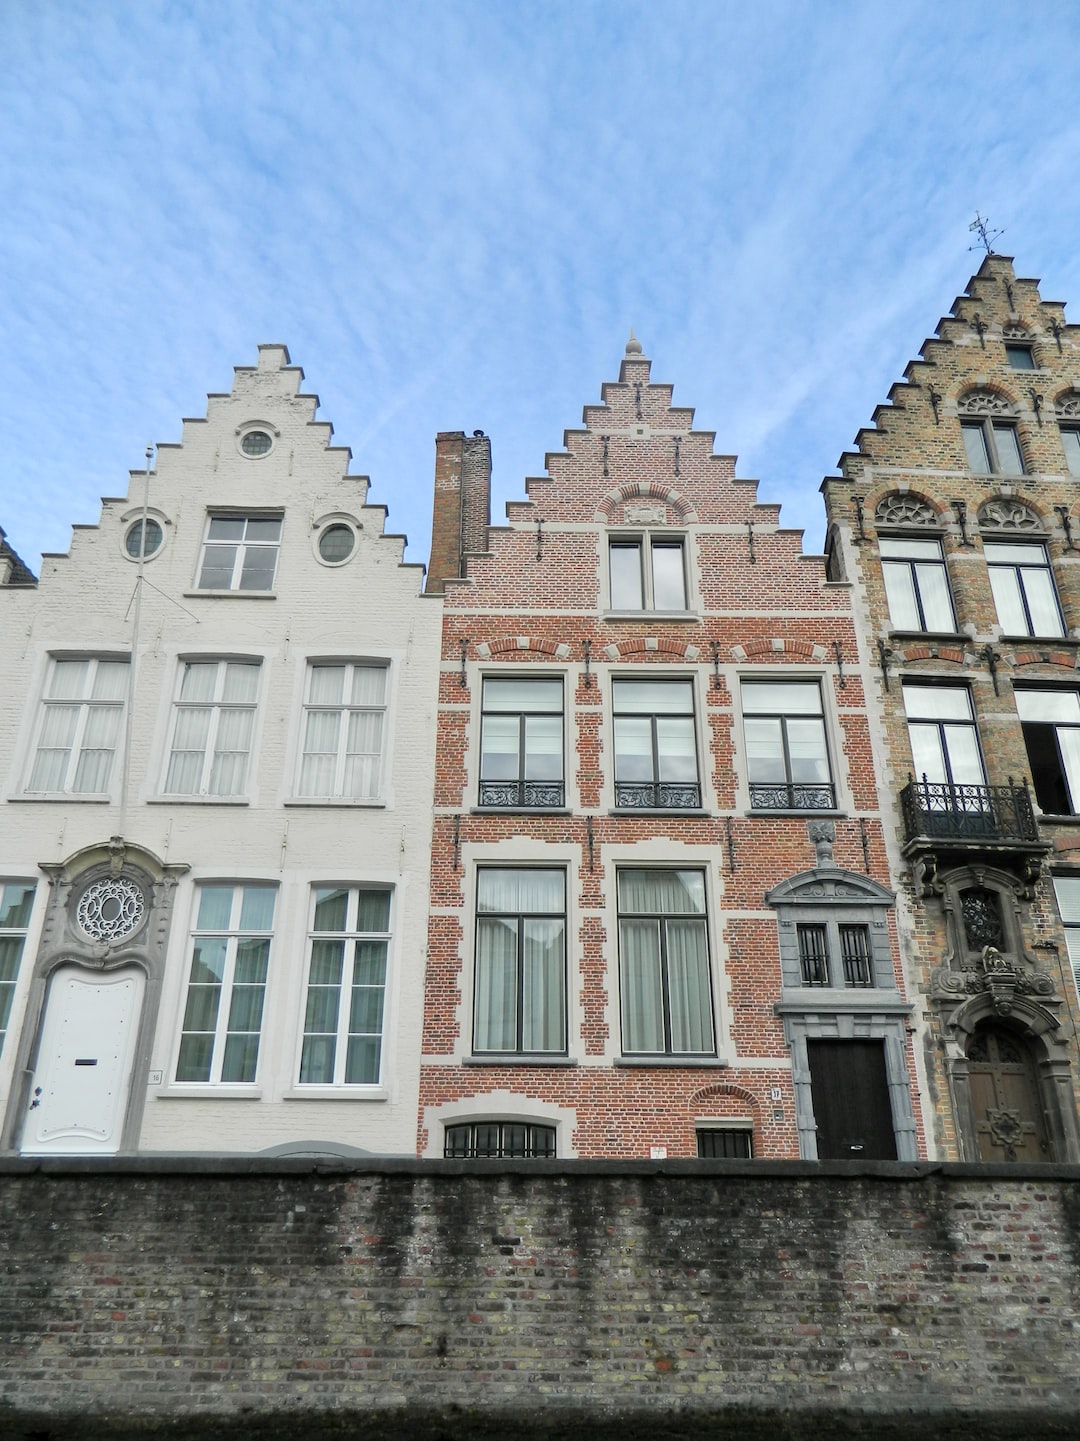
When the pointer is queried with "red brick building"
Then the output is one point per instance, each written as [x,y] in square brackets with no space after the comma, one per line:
[958,517]
[661,921]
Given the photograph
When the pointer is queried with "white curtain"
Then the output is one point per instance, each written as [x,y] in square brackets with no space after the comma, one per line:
[98,747]
[190,735]
[496,984]
[543,1007]
[363,746]
[689,1000]
[320,753]
[642,992]
[229,770]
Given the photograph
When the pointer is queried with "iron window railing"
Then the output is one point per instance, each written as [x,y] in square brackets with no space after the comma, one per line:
[534,794]
[967,812]
[658,795]
[791,796]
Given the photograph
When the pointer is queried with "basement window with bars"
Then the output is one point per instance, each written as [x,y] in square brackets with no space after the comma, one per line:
[724,1143]
[499,1140]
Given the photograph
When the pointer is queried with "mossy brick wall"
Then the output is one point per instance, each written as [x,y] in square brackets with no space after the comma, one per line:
[442,1299]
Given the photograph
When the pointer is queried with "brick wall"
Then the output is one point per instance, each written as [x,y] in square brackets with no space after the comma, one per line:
[424,1300]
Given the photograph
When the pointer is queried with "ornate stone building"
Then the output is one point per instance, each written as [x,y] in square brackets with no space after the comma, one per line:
[216,751]
[957,515]
[661,920]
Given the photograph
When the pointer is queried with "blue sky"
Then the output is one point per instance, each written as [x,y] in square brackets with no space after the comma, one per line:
[453,212]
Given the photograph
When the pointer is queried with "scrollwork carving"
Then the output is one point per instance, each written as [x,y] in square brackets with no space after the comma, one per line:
[898,509]
[984,402]
[1000,514]
[1067,406]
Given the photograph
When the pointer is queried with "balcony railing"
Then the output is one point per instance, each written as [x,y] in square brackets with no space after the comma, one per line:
[791,796]
[657,795]
[968,814]
[535,795]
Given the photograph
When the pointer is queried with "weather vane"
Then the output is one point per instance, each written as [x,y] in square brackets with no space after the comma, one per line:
[986,235]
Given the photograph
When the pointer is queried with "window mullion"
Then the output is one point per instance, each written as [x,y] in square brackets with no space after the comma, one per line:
[522,741]
[519,977]
[664,988]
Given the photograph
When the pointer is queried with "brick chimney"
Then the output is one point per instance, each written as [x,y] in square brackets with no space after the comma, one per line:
[462,507]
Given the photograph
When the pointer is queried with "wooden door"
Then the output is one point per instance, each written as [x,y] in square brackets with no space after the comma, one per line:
[850,1089]
[83,1073]
[1009,1118]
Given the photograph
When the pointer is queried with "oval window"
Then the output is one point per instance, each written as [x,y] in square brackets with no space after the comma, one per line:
[134,544]
[336,544]
[256,443]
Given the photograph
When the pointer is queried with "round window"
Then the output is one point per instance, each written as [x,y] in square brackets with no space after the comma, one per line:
[135,545]
[336,544]
[256,443]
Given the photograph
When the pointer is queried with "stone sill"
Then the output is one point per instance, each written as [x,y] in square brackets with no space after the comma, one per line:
[336,802]
[197,801]
[207,1091]
[58,799]
[230,594]
[521,811]
[937,637]
[686,1063]
[810,815]
[519,1059]
[1045,641]
[657,617]
[830,1001]
[339,1093]
[631,811]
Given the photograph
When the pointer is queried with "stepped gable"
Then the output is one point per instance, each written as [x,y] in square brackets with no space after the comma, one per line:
[909,429]
[637,463]
[13,569]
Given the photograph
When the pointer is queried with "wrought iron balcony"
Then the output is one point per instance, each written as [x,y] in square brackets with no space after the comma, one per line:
[968,815]
[791,796]
[657,795]
[534,795]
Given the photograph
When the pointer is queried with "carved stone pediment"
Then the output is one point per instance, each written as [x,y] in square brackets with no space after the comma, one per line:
[1002,514]
[900,509]
[984,402]
[829,887]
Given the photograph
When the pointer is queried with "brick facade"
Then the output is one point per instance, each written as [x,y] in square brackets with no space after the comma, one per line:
[537,604]
[969,463]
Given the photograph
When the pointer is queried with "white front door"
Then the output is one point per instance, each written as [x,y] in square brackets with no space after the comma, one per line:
[80,1088]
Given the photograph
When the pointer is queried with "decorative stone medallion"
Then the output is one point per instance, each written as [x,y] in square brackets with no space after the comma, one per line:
[110,909]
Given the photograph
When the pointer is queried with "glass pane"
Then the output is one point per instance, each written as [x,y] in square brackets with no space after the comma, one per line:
[653,697]
[362,1060]
[676,749]
[543,748]
[1042,602]
[689,997]
[1008,449]
[660,892]
[1020,357]
[369,965]
[543,1005]
[374,911]
[1068,739]
[208,959]
[252,958]
[523,695]
[936,601]
[240,1059]
[265,529]
[900,592]
[260,563]
[317,1061]
[1048,705]
[626,577]
[331,910]
[369,685]
[924,702]
[806,749]
[366,1010]
[669,581]
[642,992]
[241,682]
[217,567]
[198,681]
[897,547]
[70,680]
[193,1063]
[495,1006]
[15,904]
[965,762]
[327,963]
[1005,584]
[764,751]
[927,756]
[1067,889]
[59,725]
[499,747]
[257,908]
[215,908]
[633,749]
[520,891]
[321,1009]
[111,680]
[1070,439]
[200,1012]
[226,527]
[326,684]
[978,457]
[245,1009]
[781,698]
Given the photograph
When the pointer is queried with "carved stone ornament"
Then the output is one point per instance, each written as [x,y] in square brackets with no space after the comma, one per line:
[898,509]
[1016,332]
[1008,515]
[1068,405]
[984,402]
[1006,1128]
[994,974]
[644,514]
[110,909]
[822,835]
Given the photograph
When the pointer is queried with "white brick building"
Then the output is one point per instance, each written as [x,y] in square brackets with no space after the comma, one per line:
[216,793]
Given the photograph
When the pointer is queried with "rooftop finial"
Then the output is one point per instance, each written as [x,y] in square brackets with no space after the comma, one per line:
[986,235]
[633,345]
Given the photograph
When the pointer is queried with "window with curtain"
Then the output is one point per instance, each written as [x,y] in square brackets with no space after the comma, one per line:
[1024,591]
[647,573]
[520,999]
[521,742]
[344,723]
[348,949]
[655,746]
[664,977]
[240,552]
[80,729]
[1050,721]
[16,903]
[787,757]
[213,725]
[230,958]
[916,584]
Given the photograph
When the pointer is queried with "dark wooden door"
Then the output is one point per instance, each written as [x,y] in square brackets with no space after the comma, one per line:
[851,1101]
[1005,1098]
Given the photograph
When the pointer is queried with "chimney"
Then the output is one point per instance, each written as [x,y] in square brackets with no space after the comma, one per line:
[462,507]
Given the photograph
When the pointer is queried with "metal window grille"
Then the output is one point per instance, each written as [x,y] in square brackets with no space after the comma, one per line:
[499,1140]
[716,1143]
[813,955]
[855,953]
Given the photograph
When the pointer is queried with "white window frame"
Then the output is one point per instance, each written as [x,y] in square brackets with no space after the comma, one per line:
[351,936]
[234,935]
[242,546]
[685,684]
[218,705]
[520,917]
[647,541]
[1071,449]
[914,570]
[76,748]
[1067,895]
[1018,569]
[345,708]
[9,983]
[829,790]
